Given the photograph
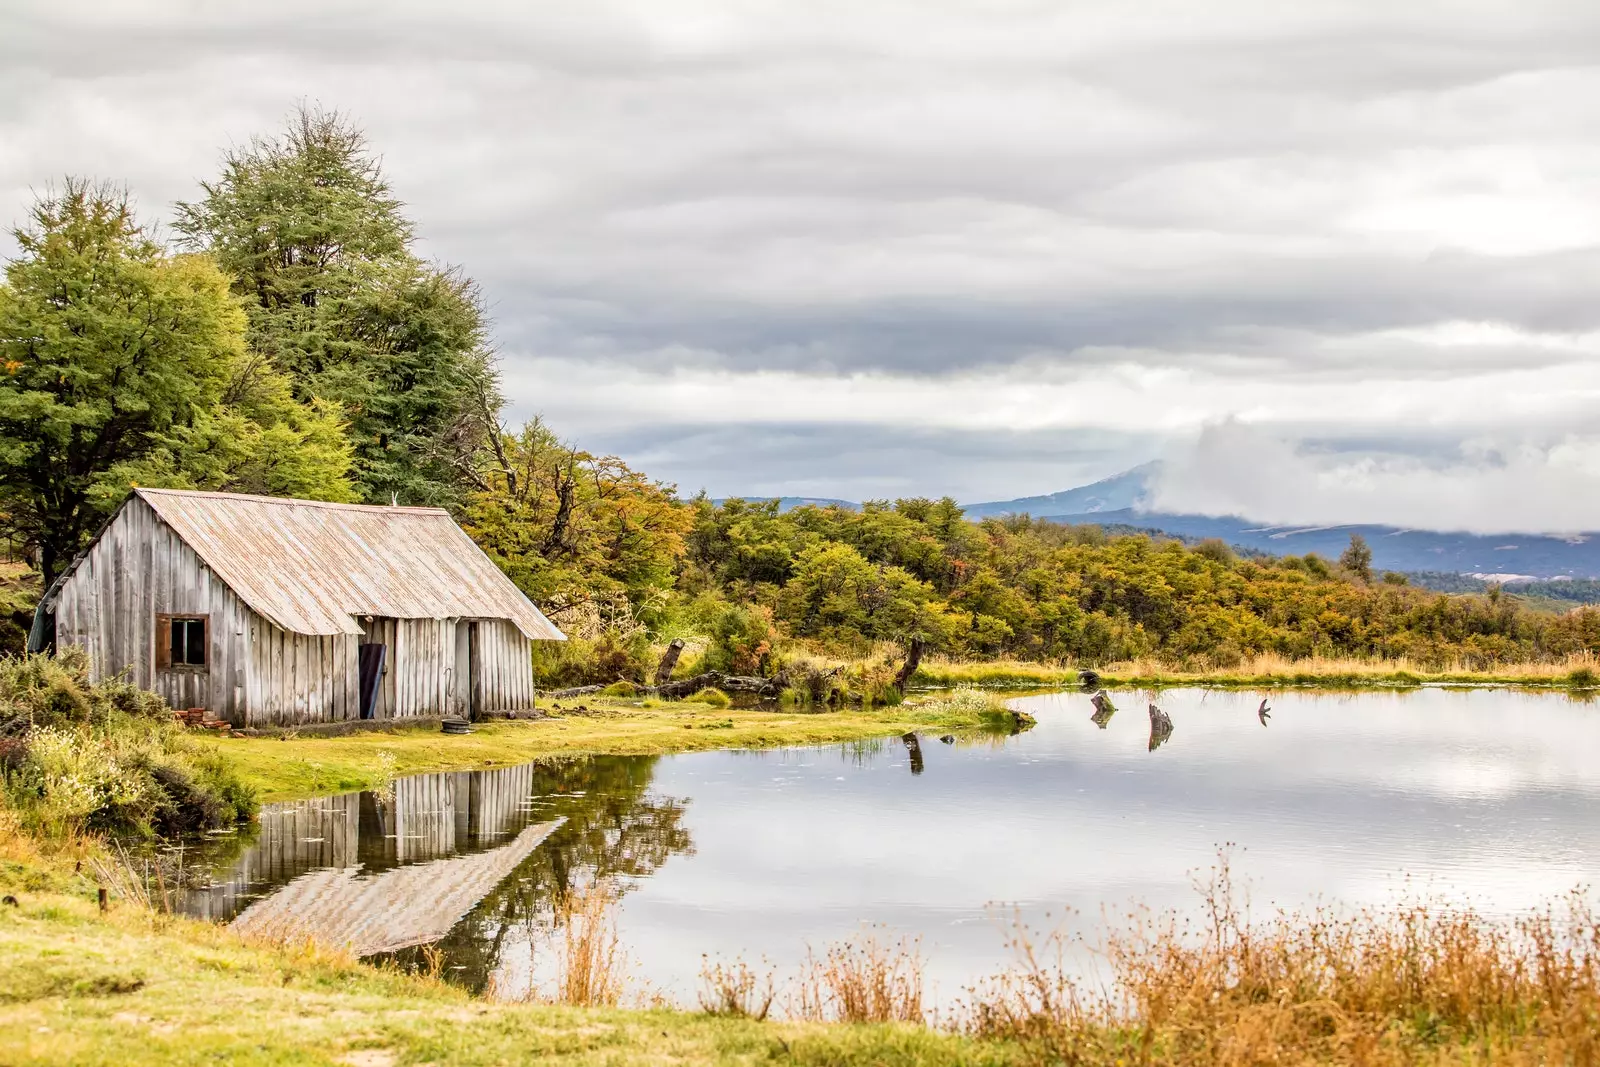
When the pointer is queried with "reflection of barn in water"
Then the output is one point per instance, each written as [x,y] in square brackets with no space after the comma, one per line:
[380,872]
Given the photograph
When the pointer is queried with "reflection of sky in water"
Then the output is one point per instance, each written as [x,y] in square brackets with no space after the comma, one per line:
[1483,796]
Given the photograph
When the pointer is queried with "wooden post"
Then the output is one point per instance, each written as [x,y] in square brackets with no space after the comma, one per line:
[913,660]
[669,660]
[102,897]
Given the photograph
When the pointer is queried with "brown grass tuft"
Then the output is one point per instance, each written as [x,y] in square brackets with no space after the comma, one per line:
[736,989]
[592,965]
[862,980]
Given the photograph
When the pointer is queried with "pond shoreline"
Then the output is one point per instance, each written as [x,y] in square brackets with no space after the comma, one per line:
[289,767]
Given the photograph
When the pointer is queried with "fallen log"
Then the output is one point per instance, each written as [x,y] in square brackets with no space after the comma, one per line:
[728,683]
[575,691]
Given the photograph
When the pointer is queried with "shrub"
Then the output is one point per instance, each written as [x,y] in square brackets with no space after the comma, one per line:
[715,698]
[741,640]
[105,757]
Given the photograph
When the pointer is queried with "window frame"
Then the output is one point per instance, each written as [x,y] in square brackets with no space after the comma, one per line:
[163,640]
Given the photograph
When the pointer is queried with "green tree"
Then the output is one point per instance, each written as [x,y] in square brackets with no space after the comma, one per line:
[111,352]
[319,248]
[1357,559]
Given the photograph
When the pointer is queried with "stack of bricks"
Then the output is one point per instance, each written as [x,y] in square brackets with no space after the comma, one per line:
[197,717]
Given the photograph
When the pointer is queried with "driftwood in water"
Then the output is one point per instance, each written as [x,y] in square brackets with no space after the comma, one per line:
[1103,709]
[1160,727]
[913,660]
[669,660]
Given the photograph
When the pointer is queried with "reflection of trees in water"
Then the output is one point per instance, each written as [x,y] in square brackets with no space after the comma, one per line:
[613,831]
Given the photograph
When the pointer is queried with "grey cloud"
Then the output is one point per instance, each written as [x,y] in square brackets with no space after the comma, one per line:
[1263,193]
[866,462]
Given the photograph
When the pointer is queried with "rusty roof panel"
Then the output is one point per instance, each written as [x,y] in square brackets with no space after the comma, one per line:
[311,566]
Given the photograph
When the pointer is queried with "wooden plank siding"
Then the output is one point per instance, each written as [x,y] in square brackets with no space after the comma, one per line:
[256,674]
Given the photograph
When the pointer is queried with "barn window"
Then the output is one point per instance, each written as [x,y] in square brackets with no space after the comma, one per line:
[181,640]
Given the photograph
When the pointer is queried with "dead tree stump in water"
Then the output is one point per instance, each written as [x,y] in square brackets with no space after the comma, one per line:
[669,660]
[1103,709]
[1160,727]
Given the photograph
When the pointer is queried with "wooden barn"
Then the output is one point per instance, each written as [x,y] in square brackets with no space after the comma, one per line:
[268,611]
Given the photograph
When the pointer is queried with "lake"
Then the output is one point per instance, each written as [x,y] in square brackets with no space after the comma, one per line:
[1480,796]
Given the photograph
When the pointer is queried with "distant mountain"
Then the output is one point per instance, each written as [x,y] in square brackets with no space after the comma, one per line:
[789,503]
[1502,556]
[1116,493]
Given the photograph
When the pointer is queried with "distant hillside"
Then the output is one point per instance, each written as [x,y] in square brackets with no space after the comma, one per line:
[1566,590]
[1117,493]
[1393,549]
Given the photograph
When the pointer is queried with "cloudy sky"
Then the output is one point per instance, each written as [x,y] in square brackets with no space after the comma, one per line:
[1333,261]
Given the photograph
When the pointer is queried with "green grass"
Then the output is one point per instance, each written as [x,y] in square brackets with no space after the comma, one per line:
[290,767]
[128,987]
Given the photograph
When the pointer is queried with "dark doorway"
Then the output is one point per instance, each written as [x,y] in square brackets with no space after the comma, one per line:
[472,671]
[370,660]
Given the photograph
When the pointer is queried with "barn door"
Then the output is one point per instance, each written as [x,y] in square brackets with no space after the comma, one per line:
[370,659]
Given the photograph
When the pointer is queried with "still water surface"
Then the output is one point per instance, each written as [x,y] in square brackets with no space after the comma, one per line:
[1483,796]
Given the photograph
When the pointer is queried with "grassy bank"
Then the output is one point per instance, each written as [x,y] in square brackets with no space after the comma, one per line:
[1268,671]
[81,987]
[280,768]
[1414,984]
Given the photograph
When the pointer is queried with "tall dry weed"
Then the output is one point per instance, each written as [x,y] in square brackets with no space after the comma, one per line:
[736,989]
[1420,982]
[864,979]
[592,967]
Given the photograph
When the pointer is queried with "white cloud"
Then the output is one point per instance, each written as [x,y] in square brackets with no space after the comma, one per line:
[1488,486]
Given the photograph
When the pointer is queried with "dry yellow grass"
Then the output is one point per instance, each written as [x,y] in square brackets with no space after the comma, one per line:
[592,964]
[1580,670]
[864,979]
[1418,983]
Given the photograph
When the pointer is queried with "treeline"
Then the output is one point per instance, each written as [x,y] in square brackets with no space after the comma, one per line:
[1561,590]
[290,341]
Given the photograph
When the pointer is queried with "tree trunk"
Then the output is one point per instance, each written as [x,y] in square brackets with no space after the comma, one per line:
[913,660]
[669,660]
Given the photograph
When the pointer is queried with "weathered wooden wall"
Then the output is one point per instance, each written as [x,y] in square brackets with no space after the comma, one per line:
[504,669]
[256,673]
[139,568]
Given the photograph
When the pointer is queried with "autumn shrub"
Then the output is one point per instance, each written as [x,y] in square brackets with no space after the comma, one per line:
[83,757]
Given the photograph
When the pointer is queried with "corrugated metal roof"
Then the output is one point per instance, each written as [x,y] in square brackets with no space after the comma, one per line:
[310,566]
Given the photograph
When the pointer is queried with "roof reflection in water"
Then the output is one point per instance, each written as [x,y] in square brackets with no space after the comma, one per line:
[411,905]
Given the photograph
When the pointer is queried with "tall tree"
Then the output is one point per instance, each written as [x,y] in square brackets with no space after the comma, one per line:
[113,353]
[1357,559]
[319,247]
